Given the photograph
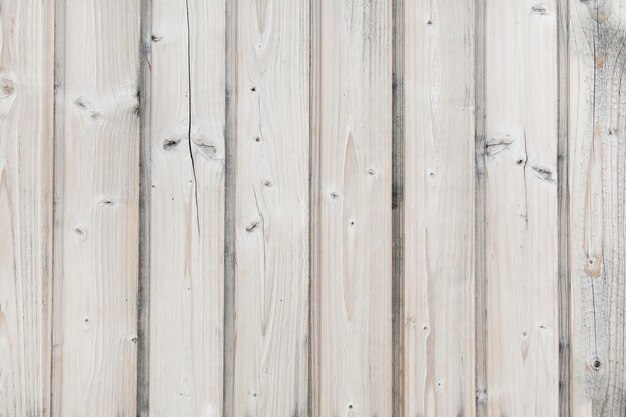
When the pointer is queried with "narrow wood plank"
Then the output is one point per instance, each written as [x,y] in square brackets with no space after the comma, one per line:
[439,206]
[597,178]
[272,209]
[186,69]
[521,98]
[26,117]
[353,224]
[96,197]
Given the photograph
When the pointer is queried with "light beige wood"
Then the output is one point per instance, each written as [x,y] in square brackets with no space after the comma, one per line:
[439,206]
[597,178]
[26,95]
[186,204]
[521,93]
[271,209]
[352,276]
[96,200]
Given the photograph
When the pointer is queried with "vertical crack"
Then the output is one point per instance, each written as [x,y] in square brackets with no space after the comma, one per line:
[193,165]
[258,209]
[525,184]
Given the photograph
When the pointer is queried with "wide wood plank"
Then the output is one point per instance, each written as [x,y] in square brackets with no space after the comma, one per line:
[96,199]
[520,152]
[26,116]
[438,208]
[352,278]
[597,178]
[186,207]
[271,209]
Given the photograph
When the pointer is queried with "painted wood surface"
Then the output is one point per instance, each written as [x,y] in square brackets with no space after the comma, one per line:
[96,208]
[596,171]
[185,137]
[352,281]
[26,117]
[521,222]
[361,208]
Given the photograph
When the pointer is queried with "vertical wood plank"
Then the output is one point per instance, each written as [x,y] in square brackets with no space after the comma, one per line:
[272,209]
[597,179]
[186,140]
[521,207]
[439,206]
[26,132]
[96,196]
[353,224]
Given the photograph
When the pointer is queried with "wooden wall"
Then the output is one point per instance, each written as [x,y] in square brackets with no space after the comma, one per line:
[312,208]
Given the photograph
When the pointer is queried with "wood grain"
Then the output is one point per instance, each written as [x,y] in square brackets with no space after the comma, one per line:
[186,140]
[96,198]
[521,94]
[26,95]
[597,226]
[272,209]
[353,264]
[438,209]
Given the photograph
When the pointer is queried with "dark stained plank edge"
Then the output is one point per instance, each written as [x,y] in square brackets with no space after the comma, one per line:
[230,138]
[397,208]
[563,211]
[143,297]
[57,192]
[480,220]
[314,45]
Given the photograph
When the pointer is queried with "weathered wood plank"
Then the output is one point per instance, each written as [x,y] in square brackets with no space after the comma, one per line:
[96,196]
[352,276]
[272,209]
[597,178]
[186,140]
[438,208]
[521,207]
[26,131]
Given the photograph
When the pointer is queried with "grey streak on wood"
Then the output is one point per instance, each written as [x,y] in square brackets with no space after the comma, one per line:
[143,292]
[563,207]
[397,208]
[230,158]
[480,262]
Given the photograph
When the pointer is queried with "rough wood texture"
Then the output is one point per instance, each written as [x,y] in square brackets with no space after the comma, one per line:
[352,281]
[325,208]
[26,95]
[439,205]
[597,200]
[272,209]
[96,198]
[186,140]
[521,207]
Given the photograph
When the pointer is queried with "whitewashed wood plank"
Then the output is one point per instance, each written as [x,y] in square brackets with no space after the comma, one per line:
[597,179]
[26,131]
[271,209]
[352,280]
[186,140]
[521,207]
[439,208]
[96,199]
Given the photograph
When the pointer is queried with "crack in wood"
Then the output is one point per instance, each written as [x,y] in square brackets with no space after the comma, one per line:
[193,164]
